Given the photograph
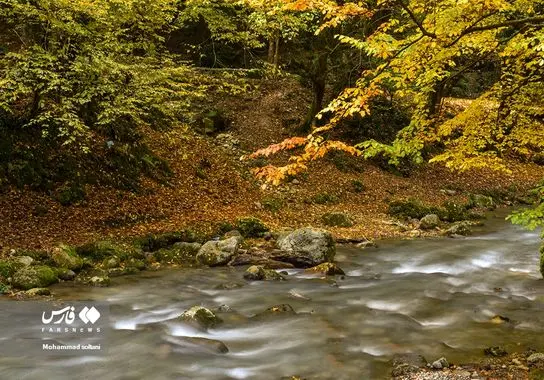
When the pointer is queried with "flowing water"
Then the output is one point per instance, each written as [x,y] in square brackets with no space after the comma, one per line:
[433,297]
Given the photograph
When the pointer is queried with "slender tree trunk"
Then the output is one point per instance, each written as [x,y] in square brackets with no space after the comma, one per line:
[277,52]
[319,82]
[271,50]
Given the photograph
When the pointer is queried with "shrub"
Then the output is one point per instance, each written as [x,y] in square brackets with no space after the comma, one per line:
[251,227]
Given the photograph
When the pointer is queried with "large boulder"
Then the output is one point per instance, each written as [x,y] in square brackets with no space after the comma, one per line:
[39,276]
[214,253]
[306,247]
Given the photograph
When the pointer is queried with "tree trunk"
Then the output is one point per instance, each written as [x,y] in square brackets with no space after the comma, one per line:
[277,52]
[319,81]
[271,50]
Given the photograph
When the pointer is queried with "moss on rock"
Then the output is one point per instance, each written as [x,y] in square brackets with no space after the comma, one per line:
[179,253]
[201,316]
[65,256]
[327,269]
[9,267]
[39,276]
[99,250]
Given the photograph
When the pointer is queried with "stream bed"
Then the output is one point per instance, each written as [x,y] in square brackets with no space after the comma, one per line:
[434,297]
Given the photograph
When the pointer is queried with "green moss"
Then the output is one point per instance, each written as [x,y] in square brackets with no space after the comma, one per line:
[4,288]
[154,242]
[39,276]
[201,316]
[99,250]
[413,208]
[8,267]
[410,208]
[251,227]
[65,256]
[182,253]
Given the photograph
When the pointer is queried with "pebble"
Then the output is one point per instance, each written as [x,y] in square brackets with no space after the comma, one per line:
[440,363]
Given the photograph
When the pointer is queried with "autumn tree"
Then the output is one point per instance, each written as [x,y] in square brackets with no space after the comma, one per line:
[419,51]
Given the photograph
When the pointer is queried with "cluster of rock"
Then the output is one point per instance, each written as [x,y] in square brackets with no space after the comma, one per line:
[498,364]
[96,263]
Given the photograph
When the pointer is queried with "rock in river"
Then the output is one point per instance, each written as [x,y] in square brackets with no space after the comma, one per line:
[259,273]
[326,269]
[283,309]
[214,253]
[200,316]
[305,247]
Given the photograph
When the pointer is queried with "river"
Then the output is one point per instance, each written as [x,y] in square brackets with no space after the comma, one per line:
[434,297]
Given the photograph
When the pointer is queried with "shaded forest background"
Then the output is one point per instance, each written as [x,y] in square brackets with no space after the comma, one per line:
[121,117]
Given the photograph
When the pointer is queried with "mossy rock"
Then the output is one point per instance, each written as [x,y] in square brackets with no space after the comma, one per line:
[111,262]
[9,267]
[99,250]
[251,227]
[38,255]
[179,253]
[326,269]
[136,264]
[99,281]
[39,276]
[200,316]
[413,208]
[66,274]
[4,288]
[410,208]
[482,201]
[34,292]
[259,273]
[65,256]
[337,219]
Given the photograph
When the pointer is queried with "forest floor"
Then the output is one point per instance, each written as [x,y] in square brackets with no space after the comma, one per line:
[211,185]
